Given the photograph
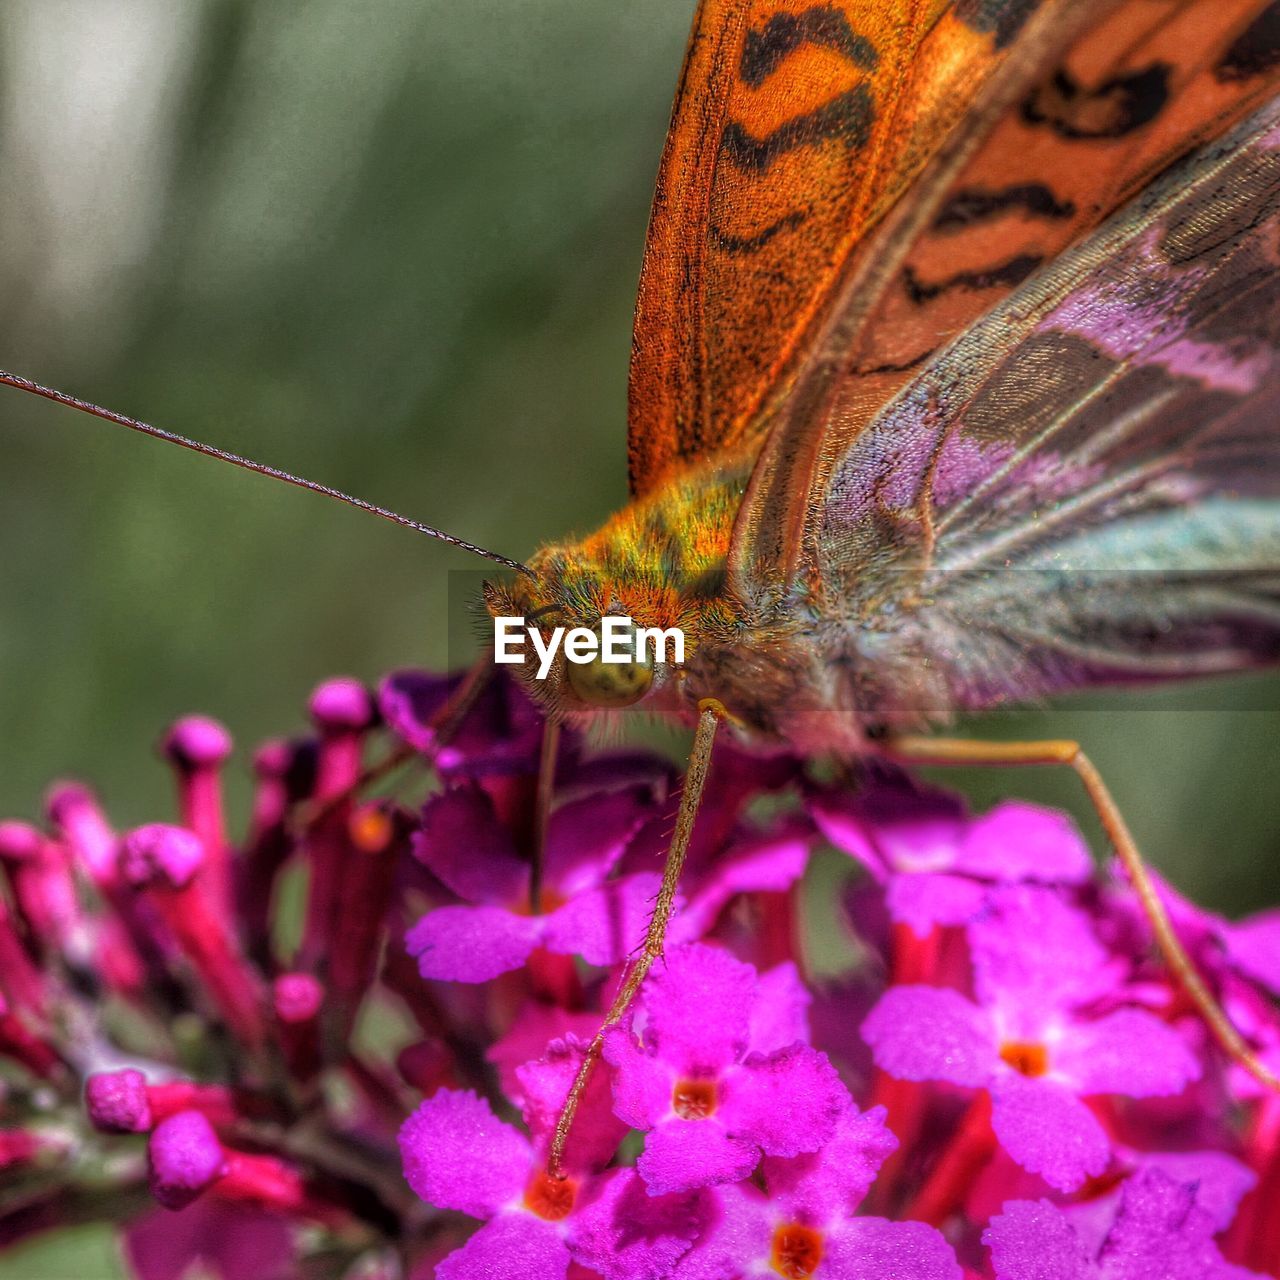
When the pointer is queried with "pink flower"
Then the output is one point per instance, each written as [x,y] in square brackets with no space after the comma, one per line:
[463,843]
[458,1155]
[1031,1039]
[713,1140]
[1157,1230]
[936,862]
[715,1068]
[803,1222]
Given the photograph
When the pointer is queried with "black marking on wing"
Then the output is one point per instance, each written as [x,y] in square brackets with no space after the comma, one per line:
[1256,48]
[765,50]
[846,118]
[977,204]
[1115,108]
[1003,18]
[751,244]
[1013,272]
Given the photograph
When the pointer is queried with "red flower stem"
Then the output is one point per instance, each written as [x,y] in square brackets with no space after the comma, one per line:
[202,937]
[776,930]
[960,1163]
[914,960]
[554,978]
[286,774]
[20,981]
[343,714]
[19,1042]
[376,839]
[273,1184]
[1254,1237]
[44,892]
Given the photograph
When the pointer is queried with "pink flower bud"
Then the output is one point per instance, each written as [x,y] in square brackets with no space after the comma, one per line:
[342,704]
[196,742]
[117,1101]
[159,853]
[185,1158]
[75,811]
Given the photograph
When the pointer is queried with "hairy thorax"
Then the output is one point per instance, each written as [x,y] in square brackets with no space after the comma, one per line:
[789,666]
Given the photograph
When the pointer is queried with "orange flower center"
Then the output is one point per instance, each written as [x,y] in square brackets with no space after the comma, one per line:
[371,829]
[797,1250]
[548,1197]
[694,1099]
[1026,1059]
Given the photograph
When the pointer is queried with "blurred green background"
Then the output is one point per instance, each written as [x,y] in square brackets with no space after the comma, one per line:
[392,246]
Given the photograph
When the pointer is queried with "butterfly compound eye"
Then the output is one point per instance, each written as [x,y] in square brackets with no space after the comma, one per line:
[601,683]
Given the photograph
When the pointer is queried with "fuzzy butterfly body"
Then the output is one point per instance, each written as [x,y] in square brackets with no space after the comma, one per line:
[955,362]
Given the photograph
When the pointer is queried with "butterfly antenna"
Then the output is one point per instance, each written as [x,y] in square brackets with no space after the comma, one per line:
[171,437]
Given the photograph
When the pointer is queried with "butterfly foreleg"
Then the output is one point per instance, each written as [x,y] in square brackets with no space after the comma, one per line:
[966,751]
[710,713]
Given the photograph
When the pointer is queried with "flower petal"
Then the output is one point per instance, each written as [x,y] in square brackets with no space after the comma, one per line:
[464,845]
[1032,1240]
[780,1016]
[931,1033]
[410,700]
[604,925]
[680,1155]
[737,1232]
[768,863]
[514,1244]
[834,1180]
[222,1239]
[699,1008]
[545,1084]
[642,1084]
[873,1248]
[787,1103]
[623,1231]
[471,944]
[1035,953]
[458,1155]
[1130,1052]
[587,836]
[1048,1130]
[1017,841]
[1161,1231]
[1253,947]
[1220,1180]
[893,826]
[924,900]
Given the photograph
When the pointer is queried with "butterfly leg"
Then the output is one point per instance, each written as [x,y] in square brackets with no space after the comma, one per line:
[710,713]
[966,751]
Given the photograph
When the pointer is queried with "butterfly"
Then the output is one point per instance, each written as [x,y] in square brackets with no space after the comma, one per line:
[954,377]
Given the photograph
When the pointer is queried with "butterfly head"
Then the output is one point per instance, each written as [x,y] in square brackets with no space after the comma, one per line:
[581,645]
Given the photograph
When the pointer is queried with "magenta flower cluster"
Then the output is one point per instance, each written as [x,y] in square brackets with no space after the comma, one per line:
[887,1038]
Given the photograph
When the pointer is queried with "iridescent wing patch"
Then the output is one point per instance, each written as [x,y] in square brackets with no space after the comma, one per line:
[1085,487]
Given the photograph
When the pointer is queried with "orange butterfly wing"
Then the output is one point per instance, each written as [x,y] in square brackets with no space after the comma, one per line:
[796,125]
[1115,104]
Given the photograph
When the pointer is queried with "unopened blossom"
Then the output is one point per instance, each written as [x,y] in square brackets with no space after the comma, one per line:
[1031,1037]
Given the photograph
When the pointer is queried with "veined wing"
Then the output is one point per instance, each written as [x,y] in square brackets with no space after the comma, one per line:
[1038,162]
[796,125]
[1085,487]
